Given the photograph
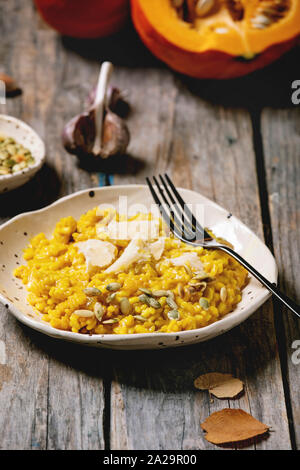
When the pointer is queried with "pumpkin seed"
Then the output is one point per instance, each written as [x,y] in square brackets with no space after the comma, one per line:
[177,3]
[111,321]
[125,306]
[200,275]
[84,313]
[99,311]
[145,290]
[204,303]
[223,294]
[171,294]
[203,7]
[198,286]
[153,303]
[113,286]
[203,276]
[161,293]
[171,302]
[188,292]
[173,314]
[149,301]
[111,297]
[188,270]
[261,21]
[180,290]
[139,317]
[92,291]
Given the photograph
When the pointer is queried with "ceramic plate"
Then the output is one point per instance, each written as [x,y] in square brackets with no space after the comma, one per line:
[15,234]
[25,135]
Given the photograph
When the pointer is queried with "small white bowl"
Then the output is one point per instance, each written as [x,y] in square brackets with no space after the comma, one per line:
[15,235]
[25,135]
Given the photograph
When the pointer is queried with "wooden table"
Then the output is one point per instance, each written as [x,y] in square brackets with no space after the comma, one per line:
[236,142]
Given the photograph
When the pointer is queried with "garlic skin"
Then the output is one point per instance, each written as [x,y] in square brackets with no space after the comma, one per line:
[116,102]
[79,135]
[115,136]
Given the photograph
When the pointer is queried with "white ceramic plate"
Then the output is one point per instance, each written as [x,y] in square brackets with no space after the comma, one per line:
[15,234]
[25,135]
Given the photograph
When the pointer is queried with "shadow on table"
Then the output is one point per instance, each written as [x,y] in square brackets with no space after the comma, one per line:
[124,49]
[173,369]
[115,165]
[42,190]
[270,86]
[153,375]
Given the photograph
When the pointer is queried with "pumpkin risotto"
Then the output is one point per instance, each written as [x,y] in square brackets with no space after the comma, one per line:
[106,273]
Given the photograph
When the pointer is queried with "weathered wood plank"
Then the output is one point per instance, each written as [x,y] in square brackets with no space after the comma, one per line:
[281,139]
[209,149]
[54,395]
[24,373]
[23,388]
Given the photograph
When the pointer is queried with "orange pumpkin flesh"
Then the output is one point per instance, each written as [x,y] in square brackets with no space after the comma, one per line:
[218,45]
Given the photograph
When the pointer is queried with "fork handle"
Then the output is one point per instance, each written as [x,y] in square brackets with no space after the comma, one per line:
[289,303]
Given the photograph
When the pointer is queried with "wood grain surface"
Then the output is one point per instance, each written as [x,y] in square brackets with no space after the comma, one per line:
[236,142]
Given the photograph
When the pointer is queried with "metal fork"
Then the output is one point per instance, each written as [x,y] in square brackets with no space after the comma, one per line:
[185,226]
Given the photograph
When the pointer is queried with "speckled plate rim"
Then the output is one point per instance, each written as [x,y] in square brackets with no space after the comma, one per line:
[39,155]
[152,340]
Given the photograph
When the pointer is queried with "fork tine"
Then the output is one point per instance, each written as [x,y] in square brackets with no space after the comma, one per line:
[185,232]
[164,213]
[197,226]
[179,211]
[159,204]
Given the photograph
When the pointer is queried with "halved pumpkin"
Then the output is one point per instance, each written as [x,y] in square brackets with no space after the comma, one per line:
[224,39]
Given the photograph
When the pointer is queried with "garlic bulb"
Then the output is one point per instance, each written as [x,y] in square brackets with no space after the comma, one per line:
[98,131]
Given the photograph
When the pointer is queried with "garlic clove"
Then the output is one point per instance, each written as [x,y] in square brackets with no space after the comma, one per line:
[116,101]
[115,137]
[79,134]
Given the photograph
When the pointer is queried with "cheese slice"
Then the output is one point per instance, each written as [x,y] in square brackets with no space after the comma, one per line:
[156,248]
[97,252]
[191,259]
[137,250]
[128,230]
[130,255]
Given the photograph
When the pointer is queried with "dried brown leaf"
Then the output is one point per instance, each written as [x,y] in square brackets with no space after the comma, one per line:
[11,86]
[220,385]
[232,426]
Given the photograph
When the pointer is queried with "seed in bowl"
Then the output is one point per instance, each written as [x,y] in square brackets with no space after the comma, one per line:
[87,279]
[14,157]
